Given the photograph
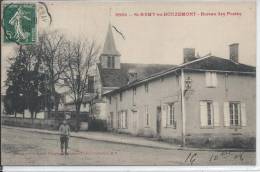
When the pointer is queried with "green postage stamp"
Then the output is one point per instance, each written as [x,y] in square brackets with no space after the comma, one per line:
[19,22]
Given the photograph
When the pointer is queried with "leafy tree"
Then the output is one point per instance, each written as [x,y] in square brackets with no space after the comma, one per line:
[24,82]
[13,102]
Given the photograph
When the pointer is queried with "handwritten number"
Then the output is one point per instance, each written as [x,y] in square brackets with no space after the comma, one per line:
[191,158]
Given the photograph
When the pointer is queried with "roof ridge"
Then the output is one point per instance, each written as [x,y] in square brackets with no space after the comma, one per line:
[236,63]
[193,61]
[151,64]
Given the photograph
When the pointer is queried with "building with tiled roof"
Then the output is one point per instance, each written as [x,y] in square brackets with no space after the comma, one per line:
[206,101]
[207,63]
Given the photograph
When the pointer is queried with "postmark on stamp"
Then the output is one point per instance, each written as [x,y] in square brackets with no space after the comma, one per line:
[19,22]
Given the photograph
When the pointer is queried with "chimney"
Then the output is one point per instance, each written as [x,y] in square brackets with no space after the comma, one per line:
[233,52]
[132,75]
[188,54]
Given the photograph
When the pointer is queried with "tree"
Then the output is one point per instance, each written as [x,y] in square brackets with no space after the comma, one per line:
[23,82]
[80,57]
[12,101]
[51,52]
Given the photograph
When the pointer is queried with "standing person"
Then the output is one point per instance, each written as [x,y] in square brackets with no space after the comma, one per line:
[64,136]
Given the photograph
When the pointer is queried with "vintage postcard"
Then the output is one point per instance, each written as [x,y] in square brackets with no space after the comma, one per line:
[91,83]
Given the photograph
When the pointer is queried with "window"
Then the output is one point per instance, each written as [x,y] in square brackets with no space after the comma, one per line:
[146,87]
[211,79]
[122,119]
[209,114]
[119,120]
[147,117]
[235,113]
[91,84]
[111,61]
[121,97]
[170,115]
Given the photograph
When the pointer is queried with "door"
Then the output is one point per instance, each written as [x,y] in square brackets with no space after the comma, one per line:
[111,119]
[158,120]
[135,122]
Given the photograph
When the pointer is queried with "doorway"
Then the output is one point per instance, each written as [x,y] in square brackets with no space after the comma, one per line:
[135,122]
[158,120]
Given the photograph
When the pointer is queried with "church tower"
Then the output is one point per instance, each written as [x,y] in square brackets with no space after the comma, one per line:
[110,57]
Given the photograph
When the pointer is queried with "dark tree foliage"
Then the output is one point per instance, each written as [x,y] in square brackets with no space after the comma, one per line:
[26,86]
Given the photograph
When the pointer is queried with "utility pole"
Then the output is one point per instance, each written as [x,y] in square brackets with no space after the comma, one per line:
[183,109]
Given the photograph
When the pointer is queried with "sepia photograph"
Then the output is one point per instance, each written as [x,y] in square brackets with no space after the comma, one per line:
[91,83]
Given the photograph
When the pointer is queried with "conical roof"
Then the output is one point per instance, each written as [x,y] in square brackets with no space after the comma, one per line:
[109,46]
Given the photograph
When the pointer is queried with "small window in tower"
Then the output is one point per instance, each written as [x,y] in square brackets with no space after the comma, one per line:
[108,61]
[113,61]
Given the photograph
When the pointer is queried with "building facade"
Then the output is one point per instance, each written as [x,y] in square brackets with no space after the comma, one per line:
[209,99]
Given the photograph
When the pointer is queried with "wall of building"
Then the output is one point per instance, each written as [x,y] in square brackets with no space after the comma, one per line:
[71,107]
[231,87]
[99,110]
[97,82]
[161,91]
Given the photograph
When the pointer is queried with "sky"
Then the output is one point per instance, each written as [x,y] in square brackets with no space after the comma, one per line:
[155,39]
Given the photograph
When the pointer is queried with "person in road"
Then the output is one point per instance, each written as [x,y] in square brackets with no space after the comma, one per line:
[64,136]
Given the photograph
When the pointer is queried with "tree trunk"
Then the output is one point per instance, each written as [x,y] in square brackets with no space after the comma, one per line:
[32,118]
[77,117]
[31,114]
[54,100]
[15,114]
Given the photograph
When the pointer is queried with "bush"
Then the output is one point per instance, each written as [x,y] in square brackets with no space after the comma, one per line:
[97,125]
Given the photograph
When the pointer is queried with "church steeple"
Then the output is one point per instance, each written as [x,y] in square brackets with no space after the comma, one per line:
[109,45]
[110,56]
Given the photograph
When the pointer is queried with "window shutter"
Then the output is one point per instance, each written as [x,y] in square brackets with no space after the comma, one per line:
[214,79]
[216,114]
[119,120]
[126,125]
[145,115]
[164,114]
[150,119]
[124,119]
[226,114]
[203,114]
[207,76]
[243,114]
[168,115]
